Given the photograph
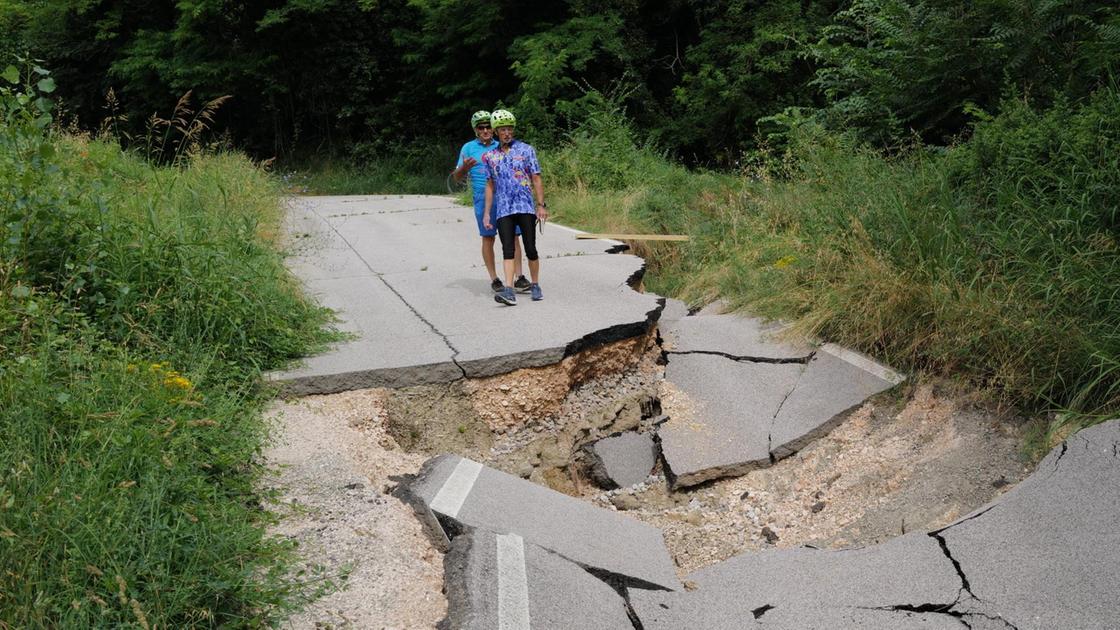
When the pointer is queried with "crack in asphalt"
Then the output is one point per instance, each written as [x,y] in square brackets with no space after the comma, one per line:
[940,609]
[762,610]
[446,341]
[965,586]
[770,429]
[1065,447]
[748,358]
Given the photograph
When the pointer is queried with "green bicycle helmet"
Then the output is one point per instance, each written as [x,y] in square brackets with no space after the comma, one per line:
[480,116]
[502,118]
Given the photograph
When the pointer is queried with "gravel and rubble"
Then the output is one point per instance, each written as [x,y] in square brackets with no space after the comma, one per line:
[893,467]
[334,466]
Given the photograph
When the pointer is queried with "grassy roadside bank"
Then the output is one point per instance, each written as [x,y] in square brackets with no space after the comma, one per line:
[138,305]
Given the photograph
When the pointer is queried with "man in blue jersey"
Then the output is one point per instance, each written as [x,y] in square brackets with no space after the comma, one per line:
[514,201]
[470,161]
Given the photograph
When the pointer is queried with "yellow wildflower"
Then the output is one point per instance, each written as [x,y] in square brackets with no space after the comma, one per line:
[177,382]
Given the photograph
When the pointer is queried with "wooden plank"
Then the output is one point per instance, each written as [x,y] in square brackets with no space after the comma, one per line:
[636,237]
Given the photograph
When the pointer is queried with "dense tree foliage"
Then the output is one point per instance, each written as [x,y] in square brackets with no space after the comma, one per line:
[696,77]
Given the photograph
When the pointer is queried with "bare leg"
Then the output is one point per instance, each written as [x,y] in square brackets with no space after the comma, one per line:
[517,270]
[508,264]
[534,269]
[488,255]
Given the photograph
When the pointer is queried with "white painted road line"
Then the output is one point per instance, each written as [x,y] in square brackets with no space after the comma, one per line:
[863,363]
[449,499]
[513,585]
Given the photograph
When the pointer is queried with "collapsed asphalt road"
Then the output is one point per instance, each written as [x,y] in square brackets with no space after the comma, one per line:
[1041,556]
[422,315]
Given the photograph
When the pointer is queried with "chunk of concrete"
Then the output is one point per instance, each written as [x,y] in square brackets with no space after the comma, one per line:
[674,311]
[723,426]
[452,493]
[734,336]
[811,586]
[586,304]
[622,460]
[423,314]
[1045,555]
[834,381]
[413,354]
[500,581]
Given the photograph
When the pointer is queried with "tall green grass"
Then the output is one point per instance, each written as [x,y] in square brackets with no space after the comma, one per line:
[996,259]
[138,305]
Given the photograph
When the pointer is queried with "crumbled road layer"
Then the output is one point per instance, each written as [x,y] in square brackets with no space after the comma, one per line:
[333,462]
[883,472]
[534,422]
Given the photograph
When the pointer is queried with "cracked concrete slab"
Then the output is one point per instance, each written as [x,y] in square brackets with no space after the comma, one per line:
[1044,554]
[451,493]
[433,318]
[732,335]
[413,354]
[809,588]
[622,460]
[725,431]
[834,381]
[587,303]
[500,581]
[674,311]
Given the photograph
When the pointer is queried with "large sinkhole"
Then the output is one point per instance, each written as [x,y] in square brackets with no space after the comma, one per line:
[910,461]
[541,424]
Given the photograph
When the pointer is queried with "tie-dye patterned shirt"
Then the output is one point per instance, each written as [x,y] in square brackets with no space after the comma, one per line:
[512,173]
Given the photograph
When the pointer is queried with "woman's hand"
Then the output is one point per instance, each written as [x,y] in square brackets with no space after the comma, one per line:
[542,212]
[486,221]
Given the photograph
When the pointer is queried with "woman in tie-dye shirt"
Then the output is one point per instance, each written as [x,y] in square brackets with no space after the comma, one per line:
[514,199]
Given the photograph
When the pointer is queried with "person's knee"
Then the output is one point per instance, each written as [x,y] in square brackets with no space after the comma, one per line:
[531,251]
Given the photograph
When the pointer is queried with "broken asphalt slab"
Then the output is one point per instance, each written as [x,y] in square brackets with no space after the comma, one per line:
[725,429]
[587,303]
[404,276]
[499,581]
[1041,556]
[749,400]
[451,493]
[1047,553]
[906,572]
[835,381]
[733,336]
[623,460]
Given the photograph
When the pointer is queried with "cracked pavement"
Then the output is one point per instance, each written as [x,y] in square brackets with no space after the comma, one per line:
[754,398]
[405,277]
[1041,556]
